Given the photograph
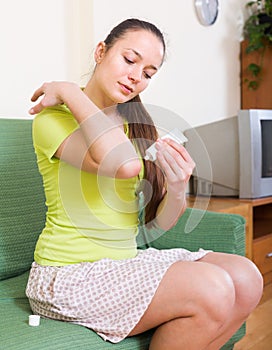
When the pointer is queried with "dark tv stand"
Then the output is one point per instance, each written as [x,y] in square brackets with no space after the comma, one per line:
[258,215]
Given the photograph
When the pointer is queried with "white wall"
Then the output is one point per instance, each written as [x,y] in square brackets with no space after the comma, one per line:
[53,40]
[200,79]
[40,41]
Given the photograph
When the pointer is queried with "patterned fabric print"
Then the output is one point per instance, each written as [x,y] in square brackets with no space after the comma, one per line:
[108,296]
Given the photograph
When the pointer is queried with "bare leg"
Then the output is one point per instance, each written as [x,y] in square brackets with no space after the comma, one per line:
[199,305]
[248,285]
[184,307]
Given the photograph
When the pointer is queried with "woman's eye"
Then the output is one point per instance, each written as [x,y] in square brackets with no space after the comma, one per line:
[147,76]
[128,60]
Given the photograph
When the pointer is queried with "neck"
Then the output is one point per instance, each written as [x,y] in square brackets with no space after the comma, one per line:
[107,107]
[96,95]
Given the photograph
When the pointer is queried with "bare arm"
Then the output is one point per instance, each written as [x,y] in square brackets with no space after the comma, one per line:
[178,166]
[98,146]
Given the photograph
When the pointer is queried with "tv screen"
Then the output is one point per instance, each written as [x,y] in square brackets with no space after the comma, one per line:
[266,131]
[239,153]
[255,145]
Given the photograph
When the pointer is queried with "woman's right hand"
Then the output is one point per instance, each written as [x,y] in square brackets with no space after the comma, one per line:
[51,94]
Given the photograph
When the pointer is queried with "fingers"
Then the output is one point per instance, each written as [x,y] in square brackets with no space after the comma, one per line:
[181,150]
[48,93]
[39,107]
[45,102]
[175,161]
[36,109]
[39,92]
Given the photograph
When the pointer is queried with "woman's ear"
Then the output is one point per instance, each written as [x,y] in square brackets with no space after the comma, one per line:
[100,51]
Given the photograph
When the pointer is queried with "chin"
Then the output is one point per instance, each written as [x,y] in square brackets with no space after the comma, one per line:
[123,100]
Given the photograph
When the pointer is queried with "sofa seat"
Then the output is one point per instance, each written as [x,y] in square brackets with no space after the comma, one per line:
[22,217]
[16,334]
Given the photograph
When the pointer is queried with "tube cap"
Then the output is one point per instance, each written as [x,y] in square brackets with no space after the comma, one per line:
[34,320]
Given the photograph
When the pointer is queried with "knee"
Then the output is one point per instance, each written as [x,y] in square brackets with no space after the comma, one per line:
[248,284]
[218,297]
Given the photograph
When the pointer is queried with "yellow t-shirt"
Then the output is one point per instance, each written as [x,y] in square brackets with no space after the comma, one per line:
[89,217]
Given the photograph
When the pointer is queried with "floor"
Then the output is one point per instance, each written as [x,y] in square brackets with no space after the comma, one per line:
[259,325]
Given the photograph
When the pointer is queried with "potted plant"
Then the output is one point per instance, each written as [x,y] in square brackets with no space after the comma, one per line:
[258,37]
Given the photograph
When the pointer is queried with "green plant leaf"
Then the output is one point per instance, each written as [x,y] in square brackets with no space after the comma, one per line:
[258,32]
[253,85]
[250,3]
[254,68]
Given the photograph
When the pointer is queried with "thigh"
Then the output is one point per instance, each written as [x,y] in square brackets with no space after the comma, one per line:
[186,288]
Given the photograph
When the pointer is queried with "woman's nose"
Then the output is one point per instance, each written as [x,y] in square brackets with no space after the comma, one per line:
[135,75]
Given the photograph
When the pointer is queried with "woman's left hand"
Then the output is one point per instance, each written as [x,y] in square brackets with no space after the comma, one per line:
[176,163]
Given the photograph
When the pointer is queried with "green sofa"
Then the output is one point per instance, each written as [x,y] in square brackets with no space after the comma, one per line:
[22,216]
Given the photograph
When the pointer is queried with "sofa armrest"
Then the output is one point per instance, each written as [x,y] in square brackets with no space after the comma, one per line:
[202,229]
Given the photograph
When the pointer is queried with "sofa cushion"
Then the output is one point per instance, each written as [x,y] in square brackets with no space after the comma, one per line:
[14,287]
[16,334]
[22,203]
[55,335]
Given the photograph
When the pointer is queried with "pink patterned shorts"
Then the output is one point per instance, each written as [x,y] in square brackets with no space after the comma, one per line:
[108,296]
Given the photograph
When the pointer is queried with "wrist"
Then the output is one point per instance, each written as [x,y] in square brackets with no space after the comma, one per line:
[68,91]
[77,101]
[175,194]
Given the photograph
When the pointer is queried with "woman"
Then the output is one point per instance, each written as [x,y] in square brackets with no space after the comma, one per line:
[90,145]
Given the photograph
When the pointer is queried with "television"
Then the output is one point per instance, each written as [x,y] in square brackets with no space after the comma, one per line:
[233,156]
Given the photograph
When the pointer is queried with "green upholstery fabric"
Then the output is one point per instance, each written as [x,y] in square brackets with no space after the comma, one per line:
[17,335]
[22,215]
[214,231]
[22,205]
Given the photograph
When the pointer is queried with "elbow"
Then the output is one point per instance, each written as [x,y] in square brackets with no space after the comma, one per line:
[129,169]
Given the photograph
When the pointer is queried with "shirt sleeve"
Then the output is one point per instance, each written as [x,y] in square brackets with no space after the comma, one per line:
[51,127]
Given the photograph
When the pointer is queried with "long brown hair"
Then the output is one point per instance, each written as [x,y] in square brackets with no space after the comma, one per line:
[142,130]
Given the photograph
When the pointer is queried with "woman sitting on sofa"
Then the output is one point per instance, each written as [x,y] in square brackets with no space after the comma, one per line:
[90,145]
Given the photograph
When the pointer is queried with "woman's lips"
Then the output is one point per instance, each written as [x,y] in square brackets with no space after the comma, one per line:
[126,89]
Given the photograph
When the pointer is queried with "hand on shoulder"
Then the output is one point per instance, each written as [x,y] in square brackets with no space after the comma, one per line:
[52,94]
